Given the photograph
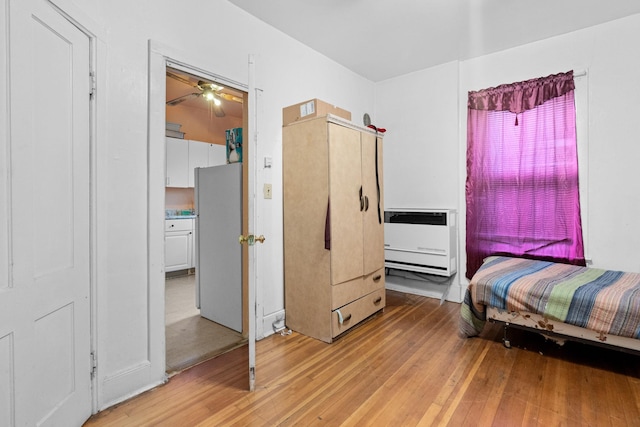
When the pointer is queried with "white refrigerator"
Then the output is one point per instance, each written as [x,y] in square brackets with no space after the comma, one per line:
[218,205]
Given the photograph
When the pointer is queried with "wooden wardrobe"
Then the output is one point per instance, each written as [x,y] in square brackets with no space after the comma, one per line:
[333,225]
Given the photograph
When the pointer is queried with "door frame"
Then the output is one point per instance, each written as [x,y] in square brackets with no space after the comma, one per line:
[187,68]
[161,57]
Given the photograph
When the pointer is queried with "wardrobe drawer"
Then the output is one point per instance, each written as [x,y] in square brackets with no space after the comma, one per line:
[346,292]
[346,317]
[374,280]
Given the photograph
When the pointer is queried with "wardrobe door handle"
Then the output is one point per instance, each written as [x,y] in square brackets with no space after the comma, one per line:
[377,301]
[366,203]
[361,199]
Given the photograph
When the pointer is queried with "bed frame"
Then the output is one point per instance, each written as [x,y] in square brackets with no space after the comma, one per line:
[558,332]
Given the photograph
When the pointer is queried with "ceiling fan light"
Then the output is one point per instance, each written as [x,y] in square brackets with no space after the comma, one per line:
[216,101]
[208,95]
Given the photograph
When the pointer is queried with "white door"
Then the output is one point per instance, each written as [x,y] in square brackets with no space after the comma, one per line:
[45,369]
[218,197]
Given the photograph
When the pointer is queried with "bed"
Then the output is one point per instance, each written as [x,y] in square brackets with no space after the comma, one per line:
[560,301]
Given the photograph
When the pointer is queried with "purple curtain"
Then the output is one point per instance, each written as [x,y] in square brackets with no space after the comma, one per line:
[522,172]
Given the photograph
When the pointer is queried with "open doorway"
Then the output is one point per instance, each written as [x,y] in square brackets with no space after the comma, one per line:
[200,114]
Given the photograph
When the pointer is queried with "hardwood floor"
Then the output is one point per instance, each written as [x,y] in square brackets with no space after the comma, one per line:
[190,338]
[404,367]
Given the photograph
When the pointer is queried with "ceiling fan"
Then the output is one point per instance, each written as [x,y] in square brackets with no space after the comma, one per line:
[210,92]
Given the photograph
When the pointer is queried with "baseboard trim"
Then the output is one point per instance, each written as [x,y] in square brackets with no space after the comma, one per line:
[272,323]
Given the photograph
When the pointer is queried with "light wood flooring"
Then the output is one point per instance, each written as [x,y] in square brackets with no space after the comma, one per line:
[190,338]
[404,367]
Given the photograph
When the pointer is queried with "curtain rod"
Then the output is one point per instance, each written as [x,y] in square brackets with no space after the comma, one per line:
[580,73]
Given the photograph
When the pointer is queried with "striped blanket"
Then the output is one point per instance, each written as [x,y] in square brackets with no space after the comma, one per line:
[604,301]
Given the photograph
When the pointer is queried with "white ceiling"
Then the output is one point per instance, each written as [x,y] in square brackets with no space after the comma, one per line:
[381,39]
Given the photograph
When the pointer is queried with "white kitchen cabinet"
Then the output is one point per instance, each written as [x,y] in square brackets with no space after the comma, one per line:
[178,244]
[217,155]
[183,156]
[177,161]
[198,158]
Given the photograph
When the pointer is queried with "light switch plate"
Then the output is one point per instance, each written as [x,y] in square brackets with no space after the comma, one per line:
[267,191]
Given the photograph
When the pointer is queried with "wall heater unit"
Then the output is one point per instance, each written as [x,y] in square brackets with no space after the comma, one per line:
[421,240]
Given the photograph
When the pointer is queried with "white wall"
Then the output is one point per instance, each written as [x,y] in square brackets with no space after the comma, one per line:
[219,37]
[421,152]
[419,112]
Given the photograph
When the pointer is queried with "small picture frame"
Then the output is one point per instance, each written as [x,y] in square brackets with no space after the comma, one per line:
[234,145]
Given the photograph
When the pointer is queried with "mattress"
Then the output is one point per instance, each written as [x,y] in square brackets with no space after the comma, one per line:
[606,302]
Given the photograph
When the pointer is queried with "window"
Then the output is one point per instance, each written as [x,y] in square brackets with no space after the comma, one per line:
[522,172]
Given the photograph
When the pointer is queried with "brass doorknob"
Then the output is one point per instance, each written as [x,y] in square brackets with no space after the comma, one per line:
[246,239]
[250,239]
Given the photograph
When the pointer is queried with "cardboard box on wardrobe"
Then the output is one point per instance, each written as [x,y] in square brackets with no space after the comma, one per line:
[310,109]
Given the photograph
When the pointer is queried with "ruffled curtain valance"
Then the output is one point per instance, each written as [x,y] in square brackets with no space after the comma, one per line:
[522,96]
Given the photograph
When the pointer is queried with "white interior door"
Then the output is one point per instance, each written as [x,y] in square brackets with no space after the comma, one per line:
[45,369]
[218,197]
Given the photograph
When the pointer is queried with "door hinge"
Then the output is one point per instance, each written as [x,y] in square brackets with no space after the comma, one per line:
[92,84]
[94,364]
